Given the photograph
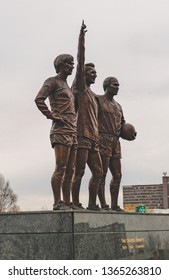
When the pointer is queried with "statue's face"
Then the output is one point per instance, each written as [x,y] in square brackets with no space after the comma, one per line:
[113,87]
[68,67]
[90,75]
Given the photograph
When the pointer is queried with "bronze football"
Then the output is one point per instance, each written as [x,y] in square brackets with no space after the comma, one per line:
[128,132]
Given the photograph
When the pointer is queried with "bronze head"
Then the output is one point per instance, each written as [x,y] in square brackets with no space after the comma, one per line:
[90,73]
[61,60]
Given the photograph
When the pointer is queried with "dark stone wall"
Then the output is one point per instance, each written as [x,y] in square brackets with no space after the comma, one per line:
[68,235]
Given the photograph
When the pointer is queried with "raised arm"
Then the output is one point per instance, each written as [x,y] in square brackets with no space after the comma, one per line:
[79,81]
[81,46]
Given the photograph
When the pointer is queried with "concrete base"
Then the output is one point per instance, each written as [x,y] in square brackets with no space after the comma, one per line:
[81,235]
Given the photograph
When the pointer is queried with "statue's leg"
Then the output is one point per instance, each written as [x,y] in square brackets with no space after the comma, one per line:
[68,178]
[81,159]
[115,168]
[95,165]
[101,192]
[61,158]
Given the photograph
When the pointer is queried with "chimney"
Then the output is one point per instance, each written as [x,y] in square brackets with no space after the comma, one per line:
[165,190]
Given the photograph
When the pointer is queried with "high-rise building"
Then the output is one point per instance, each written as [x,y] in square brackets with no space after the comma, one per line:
[153,196]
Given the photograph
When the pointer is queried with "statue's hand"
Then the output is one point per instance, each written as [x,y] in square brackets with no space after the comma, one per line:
[133,136]
[60,122]
[57,120]
[83,28]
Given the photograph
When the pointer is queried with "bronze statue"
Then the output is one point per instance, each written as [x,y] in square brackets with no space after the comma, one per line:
[87,127]
[111,121]
[63,134]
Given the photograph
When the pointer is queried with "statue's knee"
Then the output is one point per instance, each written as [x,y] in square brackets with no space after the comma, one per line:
[98,174]
[59,172]
[80,172]
[103,178]
[70,172]
[78,176]
[117,176]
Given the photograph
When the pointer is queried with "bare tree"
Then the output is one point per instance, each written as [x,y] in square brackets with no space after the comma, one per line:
[8,198]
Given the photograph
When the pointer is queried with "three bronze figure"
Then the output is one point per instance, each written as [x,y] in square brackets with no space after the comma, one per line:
[85,130]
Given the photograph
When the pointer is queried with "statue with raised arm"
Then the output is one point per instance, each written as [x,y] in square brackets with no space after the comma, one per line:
[87,127]
[63,134]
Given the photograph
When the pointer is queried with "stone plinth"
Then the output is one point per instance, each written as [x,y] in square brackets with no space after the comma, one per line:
[68,235]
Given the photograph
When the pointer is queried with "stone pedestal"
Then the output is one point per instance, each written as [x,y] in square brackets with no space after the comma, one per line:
[80,235]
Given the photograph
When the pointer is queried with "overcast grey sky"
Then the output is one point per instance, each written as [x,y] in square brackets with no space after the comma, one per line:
[128,39]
